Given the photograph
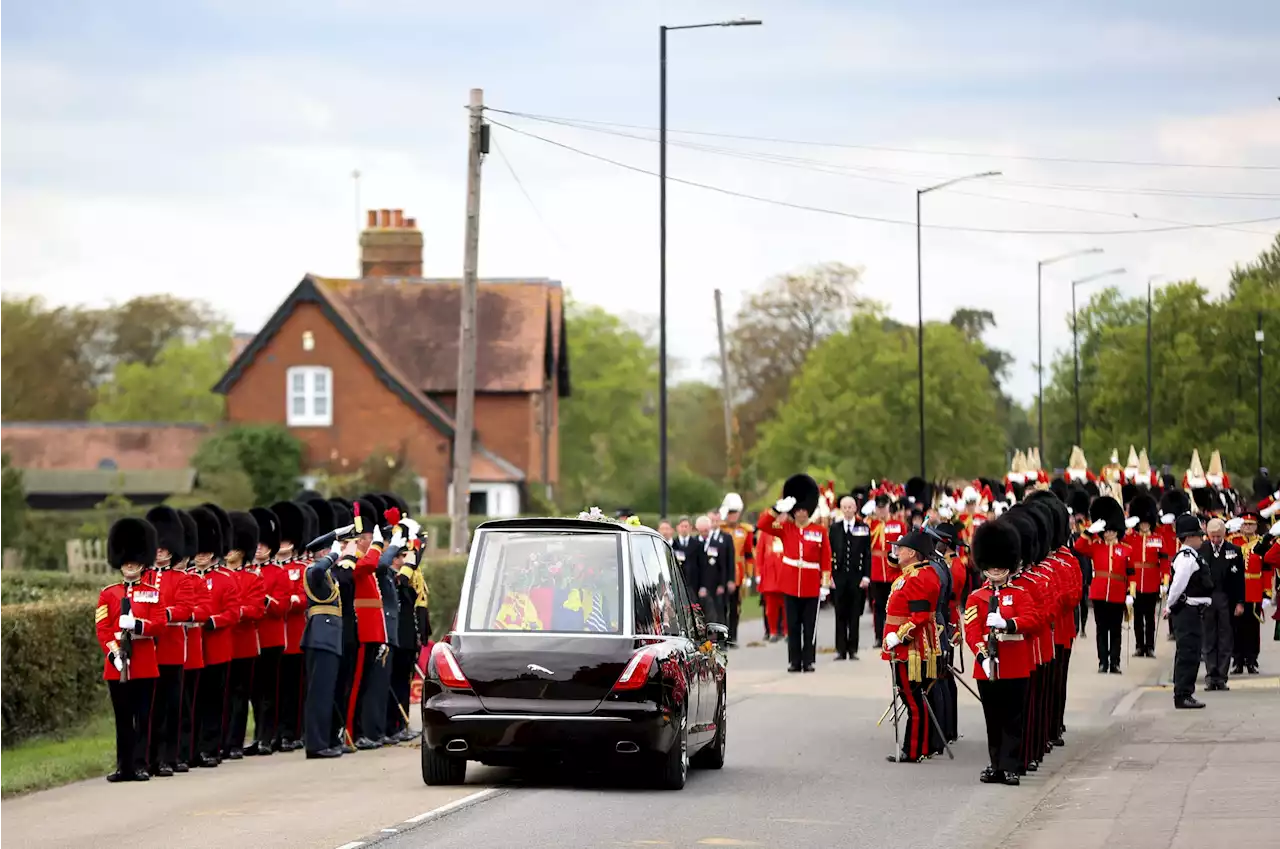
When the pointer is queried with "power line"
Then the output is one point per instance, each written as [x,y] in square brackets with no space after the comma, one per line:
[874,218]
[520,184]
[889,149]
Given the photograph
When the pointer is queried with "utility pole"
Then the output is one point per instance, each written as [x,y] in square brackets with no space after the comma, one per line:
[465,407]
[724,385]
[1259,337]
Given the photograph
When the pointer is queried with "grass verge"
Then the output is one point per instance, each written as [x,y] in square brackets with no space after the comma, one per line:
[43,762]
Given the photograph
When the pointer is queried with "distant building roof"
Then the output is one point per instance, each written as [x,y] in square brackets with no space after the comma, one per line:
[107,481]
[101,446]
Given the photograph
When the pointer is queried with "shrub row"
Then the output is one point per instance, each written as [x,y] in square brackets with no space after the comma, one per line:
[23,586]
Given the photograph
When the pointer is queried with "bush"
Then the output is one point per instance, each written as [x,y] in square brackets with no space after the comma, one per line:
[13,507]
[267,456]
[52,666]
[444,581]
[25,586]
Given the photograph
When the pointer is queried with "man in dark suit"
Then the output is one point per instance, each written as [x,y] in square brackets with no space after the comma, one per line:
[712,554]
[1226,567]
[682,547]
[851,574]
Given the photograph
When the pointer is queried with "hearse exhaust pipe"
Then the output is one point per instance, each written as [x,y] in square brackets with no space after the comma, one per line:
[626,747]
[456,746]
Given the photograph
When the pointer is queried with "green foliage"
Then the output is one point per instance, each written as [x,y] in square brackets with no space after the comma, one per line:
[85,750]
[687,492]
[444,583]
[697,439]
[13,506]
[852,410]
[244,465]
[106,513]
[23,586]
[52,666]
[173,386]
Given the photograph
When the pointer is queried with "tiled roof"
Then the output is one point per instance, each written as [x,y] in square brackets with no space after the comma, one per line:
[487,467]
[93,481]
[82,446]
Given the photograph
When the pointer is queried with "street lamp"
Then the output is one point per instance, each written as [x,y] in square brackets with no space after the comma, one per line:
[662,245]
[1150,408]
[1040,336]
[920,298]
[1075,336]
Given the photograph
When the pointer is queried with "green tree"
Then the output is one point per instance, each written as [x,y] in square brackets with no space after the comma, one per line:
[141,329]
[608,427]
[267,457]
[46,371]
[1014,419]
[696,413]
[175,386]
[852,409]
[13,506]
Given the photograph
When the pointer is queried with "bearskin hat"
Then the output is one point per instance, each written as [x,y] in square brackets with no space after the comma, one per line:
[341,514]
[804,489]
[918,491]
[1019,490]
[291,524]
[131,541]
[268,529]
[1262,485]
[1204,498]
[366,515]
[1145,508]
[1169,481]
[244,533]
[1078,500]
[1091,487]
[1059,488]
[1056,510]
[1175,501]
[324,516]
[997,545]
[224,526]
[339,501]
[1128,492]
[190,536]
[307,495]
[400,504]
[1107,509]
[169,534]
[1028,535]
[380,505]
[208,532]
[1046,528]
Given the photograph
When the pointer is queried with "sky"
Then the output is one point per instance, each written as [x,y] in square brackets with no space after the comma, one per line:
[206,148]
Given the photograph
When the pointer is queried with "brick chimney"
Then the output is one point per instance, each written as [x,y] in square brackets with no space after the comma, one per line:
[391,245]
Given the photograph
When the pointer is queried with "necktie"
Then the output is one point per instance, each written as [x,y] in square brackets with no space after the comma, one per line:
[595,621]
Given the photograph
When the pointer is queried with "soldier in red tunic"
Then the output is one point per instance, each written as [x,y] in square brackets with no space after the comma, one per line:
[885,531]
[1112,570]
[804,574]
[371,624]
[198,594]
[996,620]
[127,620]
[910,638]
[171,639]
[1151,552]
[224,612]
[1247,628]
[244,636]
[266,671]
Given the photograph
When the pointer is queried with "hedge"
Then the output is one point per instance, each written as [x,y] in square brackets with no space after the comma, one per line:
[22,586]
[52,666]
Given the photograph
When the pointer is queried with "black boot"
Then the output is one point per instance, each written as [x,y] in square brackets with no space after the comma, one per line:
[991,776]
[1187,703]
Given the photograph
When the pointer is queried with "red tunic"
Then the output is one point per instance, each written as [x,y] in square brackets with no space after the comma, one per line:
[1015,652]
[1112,568]
[173,610]
[1171,546]
[371,624]
[806,555]
[1064,632]
[768,560]
[909,613]
[224,613]
[244,636]
[1037,632]
[144,604]
[295,622]
[1150,555]
[1253,573]
[278,588]
[883,535]
[201,602]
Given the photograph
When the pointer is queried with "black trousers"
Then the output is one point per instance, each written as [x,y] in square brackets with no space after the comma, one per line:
[915,739]
[211,707]
[764,614]
[733,603]
[352,654]
[879,598]
[402,661]
[1246,636]
[131,704]
[1110,616]
[189,727]
[1188,633]
[1144,620]
[266,695]
[1061,665]
[239,691]
[1030,705]
[323,669]
[1003,704]
[166,718]
[1217,639]
[291,691]
[375,684]
[942,698]
[847,601]
[802,619]
[1082,612]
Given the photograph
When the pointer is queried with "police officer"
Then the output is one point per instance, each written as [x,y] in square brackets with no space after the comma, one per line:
[1190,594]
[322,642]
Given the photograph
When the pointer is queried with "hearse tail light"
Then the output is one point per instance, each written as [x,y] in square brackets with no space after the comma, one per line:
[636,672]
[448,669]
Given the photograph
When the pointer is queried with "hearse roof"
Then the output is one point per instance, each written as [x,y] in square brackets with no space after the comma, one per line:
[561,523]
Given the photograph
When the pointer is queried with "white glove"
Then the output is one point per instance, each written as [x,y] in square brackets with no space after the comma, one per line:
[1271,511]
[336,549]
[864,583]
[127,621]
[411,525]
[1131,522]
[1275,530]
[295,600]
[995,620]
[1128,601]
[117,663]
[377,533]
[1235,524]
[822,594]
[869,508]
[891,642]
[784,505]
[1267,604]
[1098,526]
[987,666]
[397,538]
[1166,519]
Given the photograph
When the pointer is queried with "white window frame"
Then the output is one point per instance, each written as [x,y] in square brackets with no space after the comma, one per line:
[309,417]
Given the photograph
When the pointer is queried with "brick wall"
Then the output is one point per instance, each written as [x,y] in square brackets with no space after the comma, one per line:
[366,414]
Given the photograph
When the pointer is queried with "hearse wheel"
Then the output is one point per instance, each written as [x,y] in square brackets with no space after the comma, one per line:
[440,769]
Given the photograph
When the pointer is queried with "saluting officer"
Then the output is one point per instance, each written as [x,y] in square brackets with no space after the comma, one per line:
[1190,595]
[322,642]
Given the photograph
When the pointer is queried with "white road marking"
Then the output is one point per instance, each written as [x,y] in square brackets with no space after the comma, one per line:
[352,845]
[391,831]
[444,809]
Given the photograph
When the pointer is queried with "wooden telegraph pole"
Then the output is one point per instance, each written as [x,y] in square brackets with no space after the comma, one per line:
[465,411]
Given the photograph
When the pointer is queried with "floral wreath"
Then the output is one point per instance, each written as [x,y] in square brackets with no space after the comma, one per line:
[595,514]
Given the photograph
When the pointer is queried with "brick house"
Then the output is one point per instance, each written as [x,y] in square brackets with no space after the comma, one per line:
[354,366]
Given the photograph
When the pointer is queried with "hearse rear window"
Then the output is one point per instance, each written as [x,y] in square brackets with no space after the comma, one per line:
[544,581]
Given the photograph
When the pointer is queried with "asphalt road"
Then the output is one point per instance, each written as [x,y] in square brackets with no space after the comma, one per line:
[806,768]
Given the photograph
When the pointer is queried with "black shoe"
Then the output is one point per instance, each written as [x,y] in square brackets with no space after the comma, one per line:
[841,657]
[1252,668]
[331,752]
[1058,741]
[853,656]
[898,759]
[1237,670]
[250,750]
[291,745]
[1115,670]
[181,767]
[260,749]
[991,776]
[1188,703]
[207,761]
[234,755]
[141,775]
[793,669]
[1033,767]
[1102,667]
[118,776]
[775,638]
[877,644]
[348,749]
[1011,780]
[808,667]
[1140,653]
[162,771]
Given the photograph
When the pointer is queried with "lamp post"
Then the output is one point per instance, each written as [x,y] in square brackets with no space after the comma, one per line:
[662,245]
[1040,336]
[1075,335]
[1150,406]
[1259,336]
[920,300]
